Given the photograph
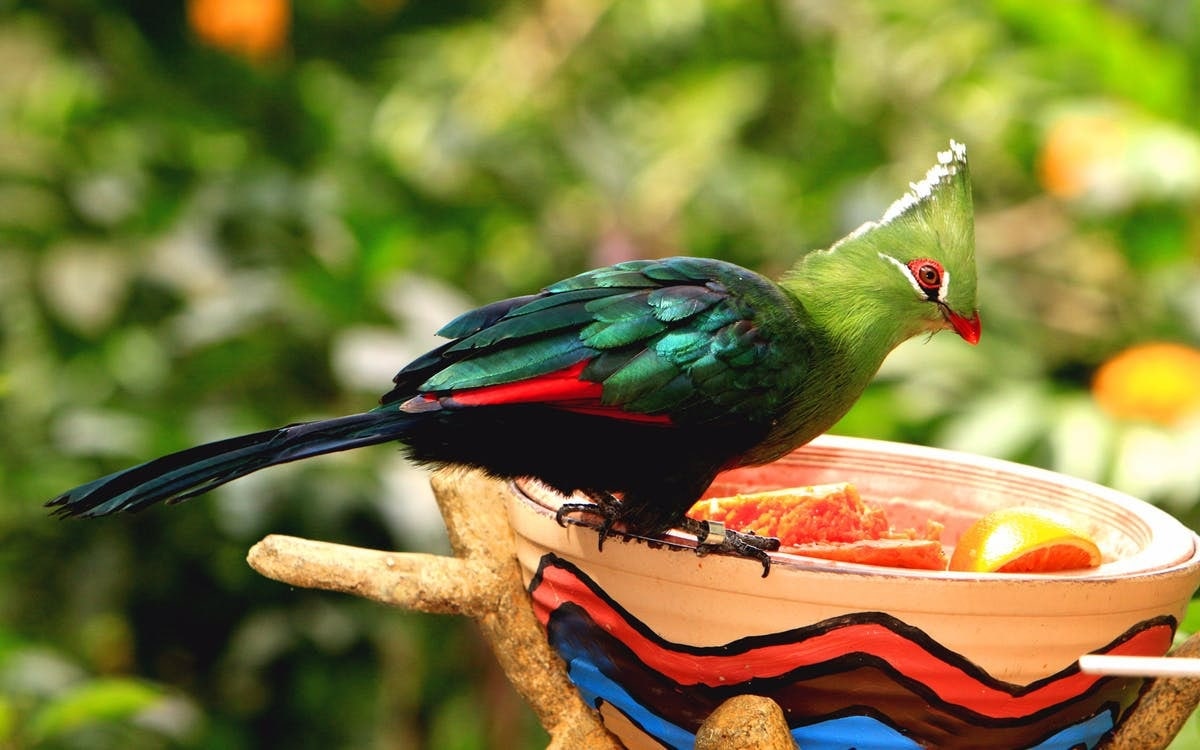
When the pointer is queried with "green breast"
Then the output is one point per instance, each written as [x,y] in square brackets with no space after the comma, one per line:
[830,384]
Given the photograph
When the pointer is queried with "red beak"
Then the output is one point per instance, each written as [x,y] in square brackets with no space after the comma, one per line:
[968,328]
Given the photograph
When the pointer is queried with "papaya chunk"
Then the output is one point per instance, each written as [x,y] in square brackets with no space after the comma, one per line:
[831,522]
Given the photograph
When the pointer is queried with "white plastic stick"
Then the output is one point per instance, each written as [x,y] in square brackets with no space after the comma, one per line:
[1139,666]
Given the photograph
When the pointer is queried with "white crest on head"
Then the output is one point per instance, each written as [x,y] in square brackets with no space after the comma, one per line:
[949,162]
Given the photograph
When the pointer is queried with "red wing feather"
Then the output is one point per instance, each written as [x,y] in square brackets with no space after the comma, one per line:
[564,389]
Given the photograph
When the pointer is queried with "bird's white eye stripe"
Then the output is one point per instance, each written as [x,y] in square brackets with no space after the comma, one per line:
[905,272]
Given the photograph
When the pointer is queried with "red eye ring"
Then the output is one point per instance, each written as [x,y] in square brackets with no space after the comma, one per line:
[928,273]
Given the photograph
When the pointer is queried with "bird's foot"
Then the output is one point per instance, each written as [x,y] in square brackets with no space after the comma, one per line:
[712,536]
[603,505]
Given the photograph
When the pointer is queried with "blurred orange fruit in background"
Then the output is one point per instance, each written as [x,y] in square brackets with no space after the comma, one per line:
[1154,382]
[253,29]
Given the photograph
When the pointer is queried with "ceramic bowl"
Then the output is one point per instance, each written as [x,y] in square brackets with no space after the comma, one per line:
[656,636]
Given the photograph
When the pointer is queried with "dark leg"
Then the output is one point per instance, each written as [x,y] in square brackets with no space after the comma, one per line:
[730,542]
[725,541]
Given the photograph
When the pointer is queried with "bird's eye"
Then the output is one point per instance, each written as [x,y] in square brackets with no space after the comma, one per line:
[928,274]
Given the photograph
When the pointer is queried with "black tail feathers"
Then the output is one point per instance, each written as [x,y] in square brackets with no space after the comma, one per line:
[197,470]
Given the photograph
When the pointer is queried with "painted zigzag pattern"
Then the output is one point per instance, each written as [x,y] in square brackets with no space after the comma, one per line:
[934,697]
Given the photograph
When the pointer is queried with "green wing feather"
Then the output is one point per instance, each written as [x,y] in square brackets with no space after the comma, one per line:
[692,338]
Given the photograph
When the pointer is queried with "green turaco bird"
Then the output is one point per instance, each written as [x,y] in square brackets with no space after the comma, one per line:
[637,383]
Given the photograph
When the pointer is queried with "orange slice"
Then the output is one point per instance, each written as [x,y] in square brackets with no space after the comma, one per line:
[1023,540]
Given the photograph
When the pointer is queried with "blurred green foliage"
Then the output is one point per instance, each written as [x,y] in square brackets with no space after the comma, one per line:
[201,236]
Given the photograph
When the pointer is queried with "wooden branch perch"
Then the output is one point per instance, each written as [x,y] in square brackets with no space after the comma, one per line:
[1163,709]
[426,583]
[483,582]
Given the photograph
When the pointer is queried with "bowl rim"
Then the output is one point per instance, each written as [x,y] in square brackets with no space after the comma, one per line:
[1161,525]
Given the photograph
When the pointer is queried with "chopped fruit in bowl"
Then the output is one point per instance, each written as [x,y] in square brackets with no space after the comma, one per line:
[829,521]
[833,522]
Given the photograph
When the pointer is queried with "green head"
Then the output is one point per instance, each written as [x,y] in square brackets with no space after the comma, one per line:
[910,272]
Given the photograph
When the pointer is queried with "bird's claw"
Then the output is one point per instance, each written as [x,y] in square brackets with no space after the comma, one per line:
[603,505]
[712,536]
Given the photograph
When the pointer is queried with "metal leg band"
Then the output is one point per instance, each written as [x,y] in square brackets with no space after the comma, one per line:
[714,534]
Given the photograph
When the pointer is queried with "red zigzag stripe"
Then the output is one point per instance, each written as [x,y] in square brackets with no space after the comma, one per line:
[908,657]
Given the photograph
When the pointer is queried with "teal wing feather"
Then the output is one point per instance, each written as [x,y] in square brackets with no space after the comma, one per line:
[695,339]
